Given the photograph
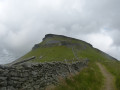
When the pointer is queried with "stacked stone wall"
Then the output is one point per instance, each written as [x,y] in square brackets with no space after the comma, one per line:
[36,76]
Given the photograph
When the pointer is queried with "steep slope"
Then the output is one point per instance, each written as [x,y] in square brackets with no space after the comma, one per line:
[60,48]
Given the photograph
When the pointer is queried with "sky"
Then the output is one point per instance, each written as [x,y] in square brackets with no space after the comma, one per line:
[24,23]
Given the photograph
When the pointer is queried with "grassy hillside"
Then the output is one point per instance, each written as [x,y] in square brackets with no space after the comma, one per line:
[59,48]
[88,79]
[71,49]
[50,54]
[114,68]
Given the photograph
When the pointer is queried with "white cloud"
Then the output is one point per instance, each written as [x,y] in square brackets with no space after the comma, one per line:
[101,41]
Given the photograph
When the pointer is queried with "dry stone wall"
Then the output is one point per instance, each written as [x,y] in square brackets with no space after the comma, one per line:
[36,76]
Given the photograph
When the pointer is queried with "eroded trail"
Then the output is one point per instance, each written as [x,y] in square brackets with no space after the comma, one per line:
[109,79]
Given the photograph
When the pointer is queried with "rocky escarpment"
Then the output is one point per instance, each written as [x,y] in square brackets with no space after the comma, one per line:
[36,76]
[61,40]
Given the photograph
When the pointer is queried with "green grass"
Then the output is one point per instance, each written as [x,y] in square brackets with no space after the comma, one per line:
[89,78]
[57,53]
[114,68]
[60,53]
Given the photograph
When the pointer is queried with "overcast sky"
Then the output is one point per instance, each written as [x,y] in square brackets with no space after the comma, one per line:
[24,23]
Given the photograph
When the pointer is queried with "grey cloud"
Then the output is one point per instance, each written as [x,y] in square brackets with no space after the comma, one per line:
[115,34]
[25,22]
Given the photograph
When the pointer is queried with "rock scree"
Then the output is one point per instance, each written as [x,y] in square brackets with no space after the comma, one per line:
[36,76]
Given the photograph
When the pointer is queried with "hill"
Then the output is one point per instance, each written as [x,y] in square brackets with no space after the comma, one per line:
[61,48]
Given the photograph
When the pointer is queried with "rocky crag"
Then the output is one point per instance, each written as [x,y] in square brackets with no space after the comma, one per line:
[61,40]
[38,76]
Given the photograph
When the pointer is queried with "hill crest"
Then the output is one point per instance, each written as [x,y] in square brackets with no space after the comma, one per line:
[61,40]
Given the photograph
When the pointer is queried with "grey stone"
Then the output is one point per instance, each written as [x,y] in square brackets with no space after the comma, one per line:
[36,76]
[36,87]
[3,88]
[3,78]
[11,88]
[3,83]
[34,73]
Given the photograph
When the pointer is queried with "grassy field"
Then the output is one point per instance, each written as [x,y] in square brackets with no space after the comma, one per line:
[89,78]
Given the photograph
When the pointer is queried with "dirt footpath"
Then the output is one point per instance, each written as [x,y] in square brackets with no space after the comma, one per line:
[109,79]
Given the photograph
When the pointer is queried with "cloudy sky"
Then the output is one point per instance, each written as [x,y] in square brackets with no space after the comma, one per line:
[24,23]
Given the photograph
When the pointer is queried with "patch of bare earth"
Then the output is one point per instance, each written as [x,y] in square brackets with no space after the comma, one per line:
[109,79]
